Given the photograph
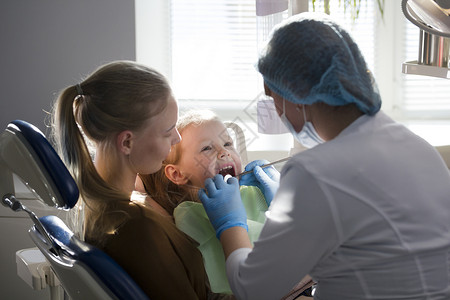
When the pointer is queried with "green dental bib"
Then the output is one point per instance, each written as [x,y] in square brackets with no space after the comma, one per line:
[190,217]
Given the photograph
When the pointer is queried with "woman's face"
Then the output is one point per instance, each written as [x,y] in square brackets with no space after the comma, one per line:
[206,150]
[153,143]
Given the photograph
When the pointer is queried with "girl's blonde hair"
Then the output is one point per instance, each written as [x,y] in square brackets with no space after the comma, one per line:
[114,98]
[157,185]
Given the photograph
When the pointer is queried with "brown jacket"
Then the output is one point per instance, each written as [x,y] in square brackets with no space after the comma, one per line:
[163,261]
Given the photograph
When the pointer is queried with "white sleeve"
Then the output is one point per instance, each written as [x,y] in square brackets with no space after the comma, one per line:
[232,265]
[300,231]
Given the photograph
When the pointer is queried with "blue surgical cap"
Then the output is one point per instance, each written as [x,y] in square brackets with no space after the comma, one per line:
[309,58]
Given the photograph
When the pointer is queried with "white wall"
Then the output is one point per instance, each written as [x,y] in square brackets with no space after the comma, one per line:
[47,45]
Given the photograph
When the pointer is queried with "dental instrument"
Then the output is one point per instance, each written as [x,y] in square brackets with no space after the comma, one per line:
[265,166]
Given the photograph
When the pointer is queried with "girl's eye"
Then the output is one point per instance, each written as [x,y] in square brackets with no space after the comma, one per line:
[206,148]
[228,144]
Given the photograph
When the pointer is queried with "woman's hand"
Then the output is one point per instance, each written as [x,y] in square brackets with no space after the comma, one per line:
[223,204]
[266,179]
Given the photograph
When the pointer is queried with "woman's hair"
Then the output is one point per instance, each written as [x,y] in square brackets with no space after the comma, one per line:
[157,185]
[118,96]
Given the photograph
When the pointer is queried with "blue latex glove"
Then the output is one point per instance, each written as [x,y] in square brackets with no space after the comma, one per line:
[267,179]
[223,204]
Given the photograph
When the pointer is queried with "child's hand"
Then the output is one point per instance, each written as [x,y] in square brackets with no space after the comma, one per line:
[223,203]
[266,179]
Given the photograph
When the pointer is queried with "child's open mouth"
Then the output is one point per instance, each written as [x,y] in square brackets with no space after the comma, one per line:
[229,170]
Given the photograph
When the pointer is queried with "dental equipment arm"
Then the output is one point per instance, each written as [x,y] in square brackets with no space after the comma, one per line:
[9,200]
[428,16]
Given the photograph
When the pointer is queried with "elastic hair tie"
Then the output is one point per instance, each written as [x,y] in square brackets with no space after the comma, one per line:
[79,90]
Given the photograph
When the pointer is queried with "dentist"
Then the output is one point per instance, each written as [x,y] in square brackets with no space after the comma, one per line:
[365,211]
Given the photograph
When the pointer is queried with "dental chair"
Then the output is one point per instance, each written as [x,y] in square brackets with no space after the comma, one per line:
[83,271]
[239,139]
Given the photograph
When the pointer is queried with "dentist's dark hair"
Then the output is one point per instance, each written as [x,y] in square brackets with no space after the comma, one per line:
[114,98]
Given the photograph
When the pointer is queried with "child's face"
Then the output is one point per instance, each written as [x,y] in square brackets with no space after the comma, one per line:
[207,150]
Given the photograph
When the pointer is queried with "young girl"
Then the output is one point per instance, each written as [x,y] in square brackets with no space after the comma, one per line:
[206,149]
[127,112]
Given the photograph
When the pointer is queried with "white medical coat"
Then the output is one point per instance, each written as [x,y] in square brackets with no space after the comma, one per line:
[366,214]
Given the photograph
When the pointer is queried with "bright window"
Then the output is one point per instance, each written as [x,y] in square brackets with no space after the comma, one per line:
[208,49]
[213,49]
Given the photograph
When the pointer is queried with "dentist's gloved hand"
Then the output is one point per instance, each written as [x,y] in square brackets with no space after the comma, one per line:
[267,179]
[223,204]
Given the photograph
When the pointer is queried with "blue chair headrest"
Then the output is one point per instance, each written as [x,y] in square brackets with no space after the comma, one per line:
[51,161]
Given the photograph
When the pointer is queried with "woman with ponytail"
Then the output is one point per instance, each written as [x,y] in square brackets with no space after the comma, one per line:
[117,123]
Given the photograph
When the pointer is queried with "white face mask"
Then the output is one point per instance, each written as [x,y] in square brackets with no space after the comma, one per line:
[308,136]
